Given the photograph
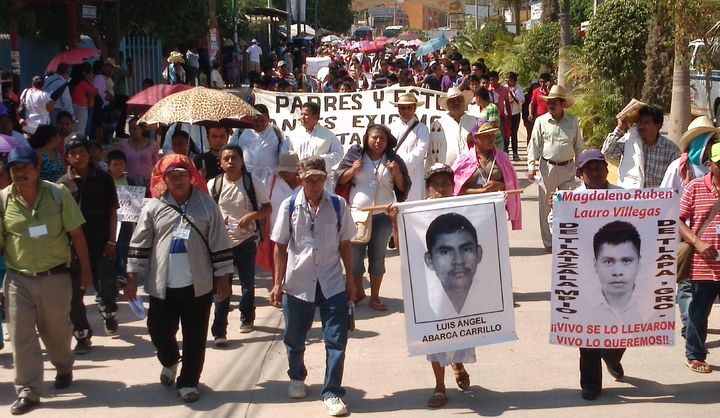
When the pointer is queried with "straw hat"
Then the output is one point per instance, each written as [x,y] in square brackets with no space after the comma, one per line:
[452,93]
[699,126]
[558,92]
[484,127]
[176,58]
[408,99]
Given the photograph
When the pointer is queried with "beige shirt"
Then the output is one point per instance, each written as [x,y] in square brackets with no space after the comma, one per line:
[555,140]
[235,203]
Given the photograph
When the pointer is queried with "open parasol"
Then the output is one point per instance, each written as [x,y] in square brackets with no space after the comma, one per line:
[200,105]
[431,46]
[145,99]
[72,57]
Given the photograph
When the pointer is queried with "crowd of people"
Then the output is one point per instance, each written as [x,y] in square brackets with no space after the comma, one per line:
[292,202]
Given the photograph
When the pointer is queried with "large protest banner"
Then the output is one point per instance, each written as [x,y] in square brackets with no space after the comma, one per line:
[348,114]
[614,268]
[455,262]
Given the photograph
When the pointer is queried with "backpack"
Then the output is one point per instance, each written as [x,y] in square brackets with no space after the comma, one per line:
[335,202]
[249,188]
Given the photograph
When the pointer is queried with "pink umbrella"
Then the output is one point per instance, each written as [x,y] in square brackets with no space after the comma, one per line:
[72,57]
[141,102]
[8,143]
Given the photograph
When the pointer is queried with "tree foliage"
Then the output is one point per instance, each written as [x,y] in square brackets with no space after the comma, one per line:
[542,46]
[659,52]
[483,40]
[615,43]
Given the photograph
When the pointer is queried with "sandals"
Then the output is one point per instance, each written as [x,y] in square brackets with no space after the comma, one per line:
[378,306]
[462,378]
[437,400]
[698,366]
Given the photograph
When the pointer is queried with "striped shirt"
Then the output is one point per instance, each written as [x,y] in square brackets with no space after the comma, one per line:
[695,205]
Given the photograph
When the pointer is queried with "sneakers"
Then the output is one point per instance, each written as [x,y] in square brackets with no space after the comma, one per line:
[297,389]
[335,406]
[83,342]
[246,327]
[111,325]
[167,375]
[220,341]
[63,381]
[188,395]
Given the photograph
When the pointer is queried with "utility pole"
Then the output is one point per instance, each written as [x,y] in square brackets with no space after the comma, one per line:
[477,15]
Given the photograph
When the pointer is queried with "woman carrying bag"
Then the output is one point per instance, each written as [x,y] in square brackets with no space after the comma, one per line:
[374,176]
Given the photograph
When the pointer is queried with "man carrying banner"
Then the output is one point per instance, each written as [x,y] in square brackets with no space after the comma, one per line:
[592,170]
[700,205]
[314,139]
[413,137]
[556,141]
[448,135]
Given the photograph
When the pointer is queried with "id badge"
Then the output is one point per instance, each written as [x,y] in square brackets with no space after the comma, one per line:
[308,241]
[373,183]
[181,232]
[717,229]
[38,231]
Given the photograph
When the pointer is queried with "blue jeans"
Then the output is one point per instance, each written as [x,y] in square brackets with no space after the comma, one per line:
[122,247]
[244,260]
[684,295]
[382,227]
[299,316]
[703,296]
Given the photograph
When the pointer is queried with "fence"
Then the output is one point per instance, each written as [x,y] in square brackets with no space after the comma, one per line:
[148,60]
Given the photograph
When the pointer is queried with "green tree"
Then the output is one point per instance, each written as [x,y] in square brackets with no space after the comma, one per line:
[482,40]
[615,44]
[659,53]
[542,46]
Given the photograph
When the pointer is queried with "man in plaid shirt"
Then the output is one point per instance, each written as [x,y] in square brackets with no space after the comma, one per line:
[644,154]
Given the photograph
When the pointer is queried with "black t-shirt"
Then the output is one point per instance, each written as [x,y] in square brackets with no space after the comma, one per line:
[433,82]
[96,195]
[212,165]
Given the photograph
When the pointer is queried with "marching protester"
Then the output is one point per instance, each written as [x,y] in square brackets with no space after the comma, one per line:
[37,286]
[311,138]
[117,163]
[413,137]
[643,153]
[501,97]
[181,242]
[376,176]
[141,153]
[485,109]
[261,146]
[285,184]
[516,98]
[556,141]
[699,207]
[209,162]
[484,168]
[539,107]
[308,274]
[45,142]
[695,146]
[35,106]
[448,135]
[83,94]
[243,201]
[94,191]
[57,86]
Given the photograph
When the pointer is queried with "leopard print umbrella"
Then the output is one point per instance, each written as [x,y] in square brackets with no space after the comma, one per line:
[198,105]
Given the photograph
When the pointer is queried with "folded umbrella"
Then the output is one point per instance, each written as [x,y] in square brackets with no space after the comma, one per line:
[72,57]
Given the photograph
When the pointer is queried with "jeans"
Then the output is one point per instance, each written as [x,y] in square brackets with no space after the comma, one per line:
[122,246]
[244,260]
[382,227]
[703,296]
[591,366]
[180,306]
[103,271]
[684,295]
[514,126]
[299,317]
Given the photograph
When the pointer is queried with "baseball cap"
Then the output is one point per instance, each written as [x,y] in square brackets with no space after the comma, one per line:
[592,155]
[714,153]
[438,168]
[22,155]
[312,166]
[76,140]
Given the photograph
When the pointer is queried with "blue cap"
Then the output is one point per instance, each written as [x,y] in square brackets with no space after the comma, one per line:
[22,155]
[590,155]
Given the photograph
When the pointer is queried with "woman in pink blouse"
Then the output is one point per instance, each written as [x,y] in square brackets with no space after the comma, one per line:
[142,154]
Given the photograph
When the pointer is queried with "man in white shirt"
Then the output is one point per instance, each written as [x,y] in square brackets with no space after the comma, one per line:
[56,85]
[311,138]
[516,98]
[254,52]
[261,146]
[448,135]
[243,201]
[413,138]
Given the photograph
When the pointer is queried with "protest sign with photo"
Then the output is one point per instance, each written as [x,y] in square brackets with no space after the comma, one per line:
[455,262]
[614,268]
[131,202]
[348,114]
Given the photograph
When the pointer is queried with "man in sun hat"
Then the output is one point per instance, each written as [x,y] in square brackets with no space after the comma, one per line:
[695,145]
[254,52]
[413,138]
[174,73]
[449,133]
[643,153]
[556,141]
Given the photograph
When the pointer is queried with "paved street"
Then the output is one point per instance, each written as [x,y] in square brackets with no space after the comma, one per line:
[525,378]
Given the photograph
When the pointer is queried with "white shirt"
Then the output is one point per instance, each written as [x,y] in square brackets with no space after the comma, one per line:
[373,185]
[64,102]
[413,151]
[321,141]
[673,179]
[193,59]
[280,191]
[254,51]
[516,107]
[235,203]
[36,109]
[484,296]
[260,152]
[448,139]
[198,134]
[216,79]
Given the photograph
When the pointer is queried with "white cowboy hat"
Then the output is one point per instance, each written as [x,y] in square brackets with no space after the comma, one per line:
[558,92]
[408,99]
[699,126]
[452,93]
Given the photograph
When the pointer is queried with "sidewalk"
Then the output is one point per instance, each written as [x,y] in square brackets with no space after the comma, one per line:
[525,378]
